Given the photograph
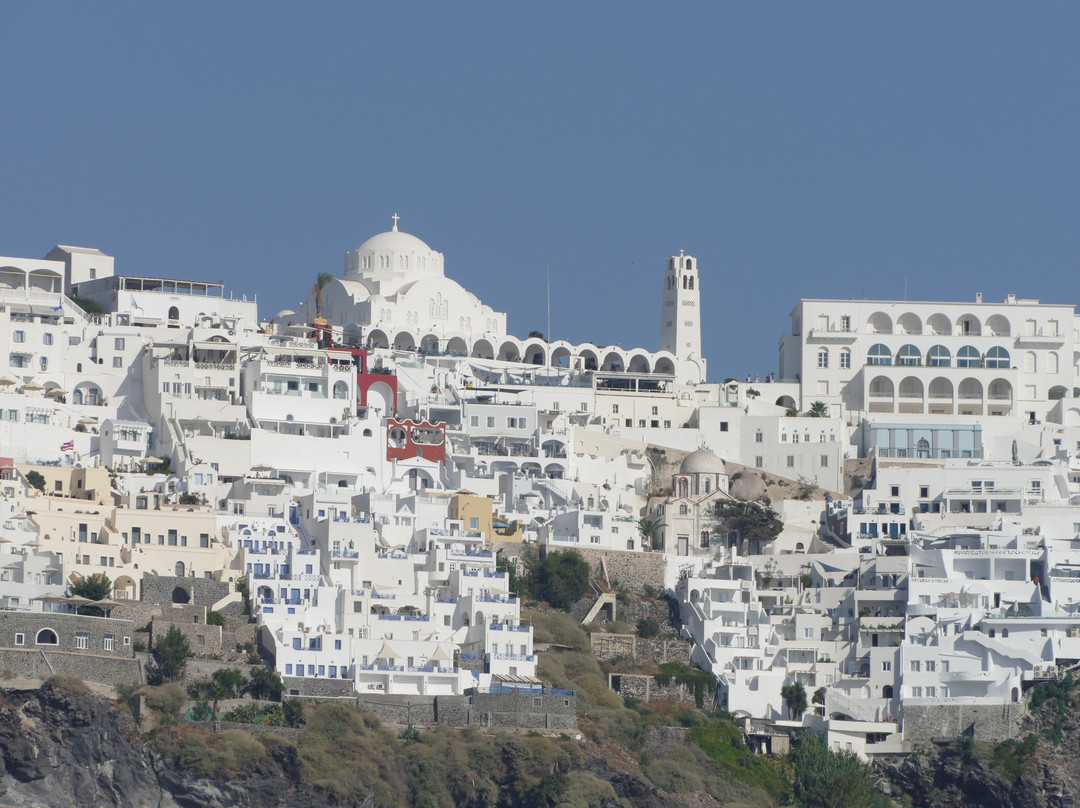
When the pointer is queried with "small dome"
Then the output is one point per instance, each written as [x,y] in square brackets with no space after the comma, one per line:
[702,462]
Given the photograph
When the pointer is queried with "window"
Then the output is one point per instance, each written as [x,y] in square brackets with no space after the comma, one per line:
[46,339]
[808,634]
[824,461]
[879,355]
[759,462]
[823,358]
[44,362]
[118,361]
[204,539]
[759,437]
[845,322]
[110,642]
[474,524]
[82,640]
[118,344]
[723,426]
[930,665]
[909,356]
[924,491]
[886,665]
[18,336]
[791,461]
[967,357]
[491,422]
[997,357]
[614,409]
[916,692]
[931,692]
[655,410]
[20,639]
[845,358]
[916,666]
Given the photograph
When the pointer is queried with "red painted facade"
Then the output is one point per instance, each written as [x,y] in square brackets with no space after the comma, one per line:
[406,439]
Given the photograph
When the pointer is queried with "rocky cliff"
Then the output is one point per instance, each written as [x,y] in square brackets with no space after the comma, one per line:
[60,747]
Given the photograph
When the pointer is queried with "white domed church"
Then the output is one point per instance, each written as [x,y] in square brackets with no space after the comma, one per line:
[394,294]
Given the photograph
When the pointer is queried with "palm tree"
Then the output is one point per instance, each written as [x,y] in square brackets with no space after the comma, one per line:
[794,696]
[819,409]
[646,527]
[321,281]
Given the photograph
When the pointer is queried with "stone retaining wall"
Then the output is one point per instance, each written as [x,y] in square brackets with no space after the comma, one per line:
[629,646]
[36,664]
[661,739]
[201,591]
[645,688]
[992,723]
[632,570]
[525,710]
[317,688]
[65,631]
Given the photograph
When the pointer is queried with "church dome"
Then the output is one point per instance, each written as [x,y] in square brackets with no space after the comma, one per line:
[392,254]
[394,241]
[702,462]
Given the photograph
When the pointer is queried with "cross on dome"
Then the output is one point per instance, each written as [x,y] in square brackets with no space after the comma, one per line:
[395,217]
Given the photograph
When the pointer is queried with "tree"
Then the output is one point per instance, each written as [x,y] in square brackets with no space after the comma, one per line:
[647,527]
[321,282]
[561,579]
[265,684]
[819,409]
[647,627]
[93,587]
[537,335]
[794,696]
[294,713]
[791,412]
[36,480]
[215,618]
[171,654]
[751,521]
[828,779]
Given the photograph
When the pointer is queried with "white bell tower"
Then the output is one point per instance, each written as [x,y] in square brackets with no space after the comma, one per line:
[680,323]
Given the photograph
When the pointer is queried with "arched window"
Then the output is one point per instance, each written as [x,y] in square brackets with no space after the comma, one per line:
[1052,362]
[341,390]
[845,358]
[704,539]
[939,357]
[46,637]
[691,281]
[684,509]
[684,487]
[684,282]
[823,357]
[708,485]
[909,356]
[879,355]
[1031,364]
[174,313]
[997,357]
[179,570]
[967,357]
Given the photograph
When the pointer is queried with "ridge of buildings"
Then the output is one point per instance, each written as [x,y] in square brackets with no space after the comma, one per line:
[363,461]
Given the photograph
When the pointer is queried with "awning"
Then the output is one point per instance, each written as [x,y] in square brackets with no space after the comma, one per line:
[138,319]
[386,652]
[18,308]
[440,655]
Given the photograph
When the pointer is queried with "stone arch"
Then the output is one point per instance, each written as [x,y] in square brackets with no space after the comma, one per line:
[456,347]
[589,360]
[664,365]
[429,344]
[377,338]
[787,402]
[941,387]
[535,352]
[404,341]
[639,363]
[997,325]
[881,387]
[47,280]
[909,323]
[560,357]
[970,389]
[87,393]
[968,325]
[1001,390]
[939,324]
[911,387]
[12,278]
[879,323]
[614,362]
[1057,392]
[509,351]
[46,637]
[180,594]
[482,349]
[381,396]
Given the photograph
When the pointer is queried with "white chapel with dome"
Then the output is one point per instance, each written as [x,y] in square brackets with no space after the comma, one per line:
[395,294]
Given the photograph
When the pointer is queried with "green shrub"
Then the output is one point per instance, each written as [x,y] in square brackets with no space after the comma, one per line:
[168,700]
[619,627]
[647,628]
[828,779]
[558,629]
[215,619]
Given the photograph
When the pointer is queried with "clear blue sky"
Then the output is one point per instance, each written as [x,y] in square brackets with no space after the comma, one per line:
[798,150]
